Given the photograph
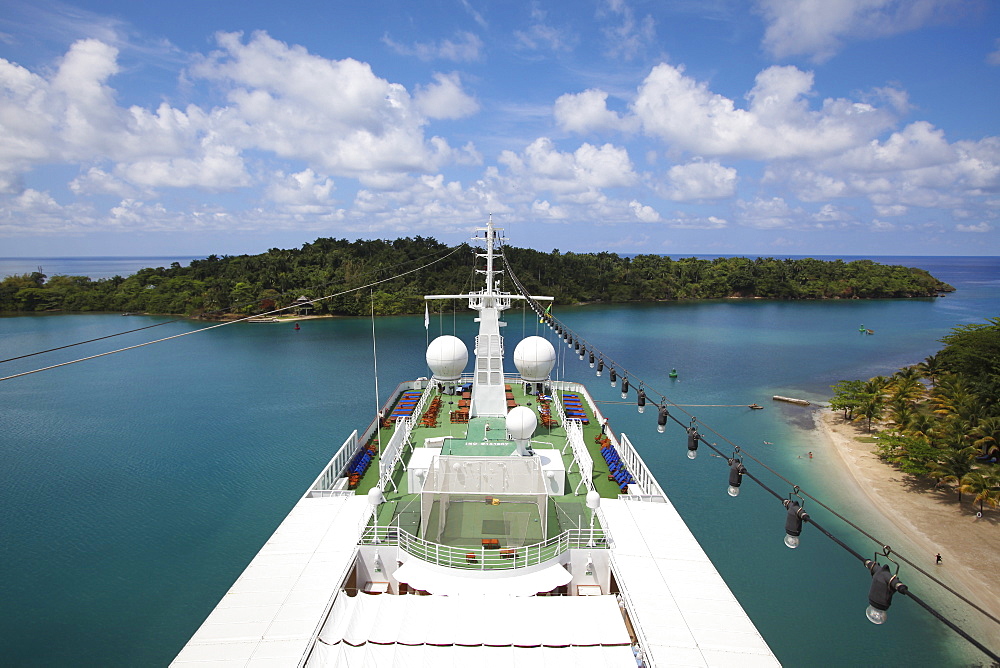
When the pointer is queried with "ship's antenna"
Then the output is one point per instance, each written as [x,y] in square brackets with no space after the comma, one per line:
[378,412]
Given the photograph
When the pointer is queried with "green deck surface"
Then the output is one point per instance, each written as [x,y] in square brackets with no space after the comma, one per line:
[564,512]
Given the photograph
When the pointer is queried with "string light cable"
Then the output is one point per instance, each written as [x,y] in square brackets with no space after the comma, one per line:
[454,250]
[883,584]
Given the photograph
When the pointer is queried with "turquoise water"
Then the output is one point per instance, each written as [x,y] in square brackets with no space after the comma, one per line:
[138,486]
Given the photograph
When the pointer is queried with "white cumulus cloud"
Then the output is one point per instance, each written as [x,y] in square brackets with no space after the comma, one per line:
[700,181]
[542,167]
[302,192]
[644,213]
[691,222]
[819,28]
[768,213]
[778,123]
[445,98]
[978,227]
[588,112]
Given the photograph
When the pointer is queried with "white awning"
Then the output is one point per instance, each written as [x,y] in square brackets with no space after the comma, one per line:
[385,630]
[452,582]
[343,655]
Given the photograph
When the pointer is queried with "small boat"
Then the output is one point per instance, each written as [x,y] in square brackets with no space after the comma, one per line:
[756,407]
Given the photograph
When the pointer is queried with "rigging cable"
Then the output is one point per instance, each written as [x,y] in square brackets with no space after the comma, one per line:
[552,321]
[231,322]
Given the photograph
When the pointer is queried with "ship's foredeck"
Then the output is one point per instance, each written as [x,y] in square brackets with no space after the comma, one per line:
[486,436]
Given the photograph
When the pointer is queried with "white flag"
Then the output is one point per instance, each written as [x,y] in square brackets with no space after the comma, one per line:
[427,317]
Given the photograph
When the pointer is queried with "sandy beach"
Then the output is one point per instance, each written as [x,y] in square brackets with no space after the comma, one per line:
[931,518]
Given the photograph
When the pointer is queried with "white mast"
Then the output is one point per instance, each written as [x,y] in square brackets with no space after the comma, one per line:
[488,396]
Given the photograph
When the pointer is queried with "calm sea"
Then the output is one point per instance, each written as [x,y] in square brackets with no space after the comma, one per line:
[138,486]
[94,267]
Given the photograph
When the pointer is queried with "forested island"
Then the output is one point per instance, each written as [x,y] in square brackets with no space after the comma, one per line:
[247,284]
[940,419]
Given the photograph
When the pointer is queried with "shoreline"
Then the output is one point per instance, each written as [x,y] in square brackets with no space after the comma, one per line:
[929,517]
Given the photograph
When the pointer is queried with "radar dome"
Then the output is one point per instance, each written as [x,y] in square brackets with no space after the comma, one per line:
[447,357]
[534,358]
[521,423]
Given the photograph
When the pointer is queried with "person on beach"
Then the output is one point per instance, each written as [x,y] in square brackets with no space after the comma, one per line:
[937,559]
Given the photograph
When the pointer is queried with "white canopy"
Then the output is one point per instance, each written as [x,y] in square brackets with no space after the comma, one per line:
[404,630]
[431,656]
[452,582]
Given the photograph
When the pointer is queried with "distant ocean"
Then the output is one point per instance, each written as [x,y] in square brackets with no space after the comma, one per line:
[138,486]
[94,267]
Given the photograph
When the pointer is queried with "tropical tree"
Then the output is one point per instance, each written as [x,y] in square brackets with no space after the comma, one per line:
[974,351]
[871,408]
[983,484]
[847,394]
[912,455]
[901,413]
[987,435]
[920,425]
[905,385]
[953,466]
[877,384]
[930,368]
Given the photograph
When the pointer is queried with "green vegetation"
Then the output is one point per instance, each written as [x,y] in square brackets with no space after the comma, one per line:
[259,283]
[941,417]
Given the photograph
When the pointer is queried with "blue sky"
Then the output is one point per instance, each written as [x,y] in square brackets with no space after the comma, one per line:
[786,127]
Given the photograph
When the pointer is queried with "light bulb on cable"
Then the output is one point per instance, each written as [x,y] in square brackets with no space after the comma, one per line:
[793,522]
[736,471]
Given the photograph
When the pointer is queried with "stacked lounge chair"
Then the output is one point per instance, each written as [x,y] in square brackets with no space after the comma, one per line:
[574,408]
[616,468]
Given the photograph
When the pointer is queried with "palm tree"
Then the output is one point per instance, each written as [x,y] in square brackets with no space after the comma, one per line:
[988,433]
[921,425]
[952,432]
[984,484]
[877,384]
[954,395]
[930,368]
[901,414]
[953,466]
[871,408]
[906,385]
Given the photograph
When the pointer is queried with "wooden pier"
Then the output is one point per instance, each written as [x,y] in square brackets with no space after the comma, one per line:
[800,402]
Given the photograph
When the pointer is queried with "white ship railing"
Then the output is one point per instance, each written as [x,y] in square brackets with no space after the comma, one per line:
[336,468]
[393,451]
[651,490]
[644,480]
[324,484]
[482,558]
[574,439]
[635,619]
